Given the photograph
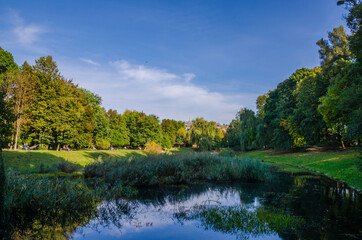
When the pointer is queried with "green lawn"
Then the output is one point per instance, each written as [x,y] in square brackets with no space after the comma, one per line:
[30,161]
[345,165]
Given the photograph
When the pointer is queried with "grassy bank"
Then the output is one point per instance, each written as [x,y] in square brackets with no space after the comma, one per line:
[344,165]
[31,161]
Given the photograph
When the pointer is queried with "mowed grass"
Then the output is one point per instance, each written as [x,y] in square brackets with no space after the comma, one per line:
[31,161]
[344,165]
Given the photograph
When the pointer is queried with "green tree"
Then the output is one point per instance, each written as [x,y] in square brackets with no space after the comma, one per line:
[354,23]
[335,48]
[6,118]
[205,134]
[7,62]
[307,121]
[142,128]
[279,107]
[341,107]
[170,129]
[102,129]
[119,131]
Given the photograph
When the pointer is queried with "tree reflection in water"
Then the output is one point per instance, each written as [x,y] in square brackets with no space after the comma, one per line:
[292,207]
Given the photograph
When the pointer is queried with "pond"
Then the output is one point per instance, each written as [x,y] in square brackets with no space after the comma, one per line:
[290,207]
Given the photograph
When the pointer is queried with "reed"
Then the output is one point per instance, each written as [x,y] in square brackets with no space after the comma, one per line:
[177,169]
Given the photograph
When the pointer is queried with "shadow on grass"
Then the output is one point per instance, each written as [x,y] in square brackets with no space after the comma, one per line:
[104,155]
[34,161]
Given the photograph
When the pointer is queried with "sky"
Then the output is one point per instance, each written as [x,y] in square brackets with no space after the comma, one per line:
[175,59]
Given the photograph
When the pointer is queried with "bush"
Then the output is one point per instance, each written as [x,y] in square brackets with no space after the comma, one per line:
[153,148]
[67,167]
[177,169]
[226,152]
[102,143]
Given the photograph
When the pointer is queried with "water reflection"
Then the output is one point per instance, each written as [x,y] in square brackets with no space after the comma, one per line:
[292,207]
[300,207]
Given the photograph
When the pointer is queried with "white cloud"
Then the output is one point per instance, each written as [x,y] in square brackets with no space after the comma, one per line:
[189,76]
[123,85]
[90,61]
[25,35]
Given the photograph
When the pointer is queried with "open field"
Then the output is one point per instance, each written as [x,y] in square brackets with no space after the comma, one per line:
[344,165]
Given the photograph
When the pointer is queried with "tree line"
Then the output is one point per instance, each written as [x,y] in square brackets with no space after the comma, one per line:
[42,109]
[313,106]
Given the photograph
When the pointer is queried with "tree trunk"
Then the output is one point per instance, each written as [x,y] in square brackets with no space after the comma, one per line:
[344,147]
[12,138]
[18,124]
[58,147]
[17,133]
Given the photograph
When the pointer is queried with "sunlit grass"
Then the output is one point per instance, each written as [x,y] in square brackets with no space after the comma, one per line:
[31,161]
[344,165]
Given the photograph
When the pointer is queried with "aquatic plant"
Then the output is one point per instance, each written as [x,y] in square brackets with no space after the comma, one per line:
[177,169]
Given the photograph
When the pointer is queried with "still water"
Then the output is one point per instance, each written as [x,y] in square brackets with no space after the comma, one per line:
[291,207]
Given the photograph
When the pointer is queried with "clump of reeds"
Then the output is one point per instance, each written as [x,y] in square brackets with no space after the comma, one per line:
[177,169]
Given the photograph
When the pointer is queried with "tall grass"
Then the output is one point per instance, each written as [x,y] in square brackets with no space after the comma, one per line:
[177,169]
[35,206]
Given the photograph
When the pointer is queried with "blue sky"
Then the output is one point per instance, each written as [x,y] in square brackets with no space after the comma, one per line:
[175,59]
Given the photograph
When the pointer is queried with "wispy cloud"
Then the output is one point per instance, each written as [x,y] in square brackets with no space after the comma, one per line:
[22,34]
[90,61]
[123,85]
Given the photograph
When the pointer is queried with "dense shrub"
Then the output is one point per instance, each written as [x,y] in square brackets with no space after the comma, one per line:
[67,167]
[177,169]
[153,148]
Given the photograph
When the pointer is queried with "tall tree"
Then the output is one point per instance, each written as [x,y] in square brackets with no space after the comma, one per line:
[279,108]
[205,134]
[335,48]
[119,131]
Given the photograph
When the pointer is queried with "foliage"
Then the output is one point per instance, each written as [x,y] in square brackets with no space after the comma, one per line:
[205,134]
[341,107]
[119,131]
[153,148]
[142,128]
[171,128]
[177,169]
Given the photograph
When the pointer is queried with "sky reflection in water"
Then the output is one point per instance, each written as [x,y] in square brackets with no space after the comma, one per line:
[154,214]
